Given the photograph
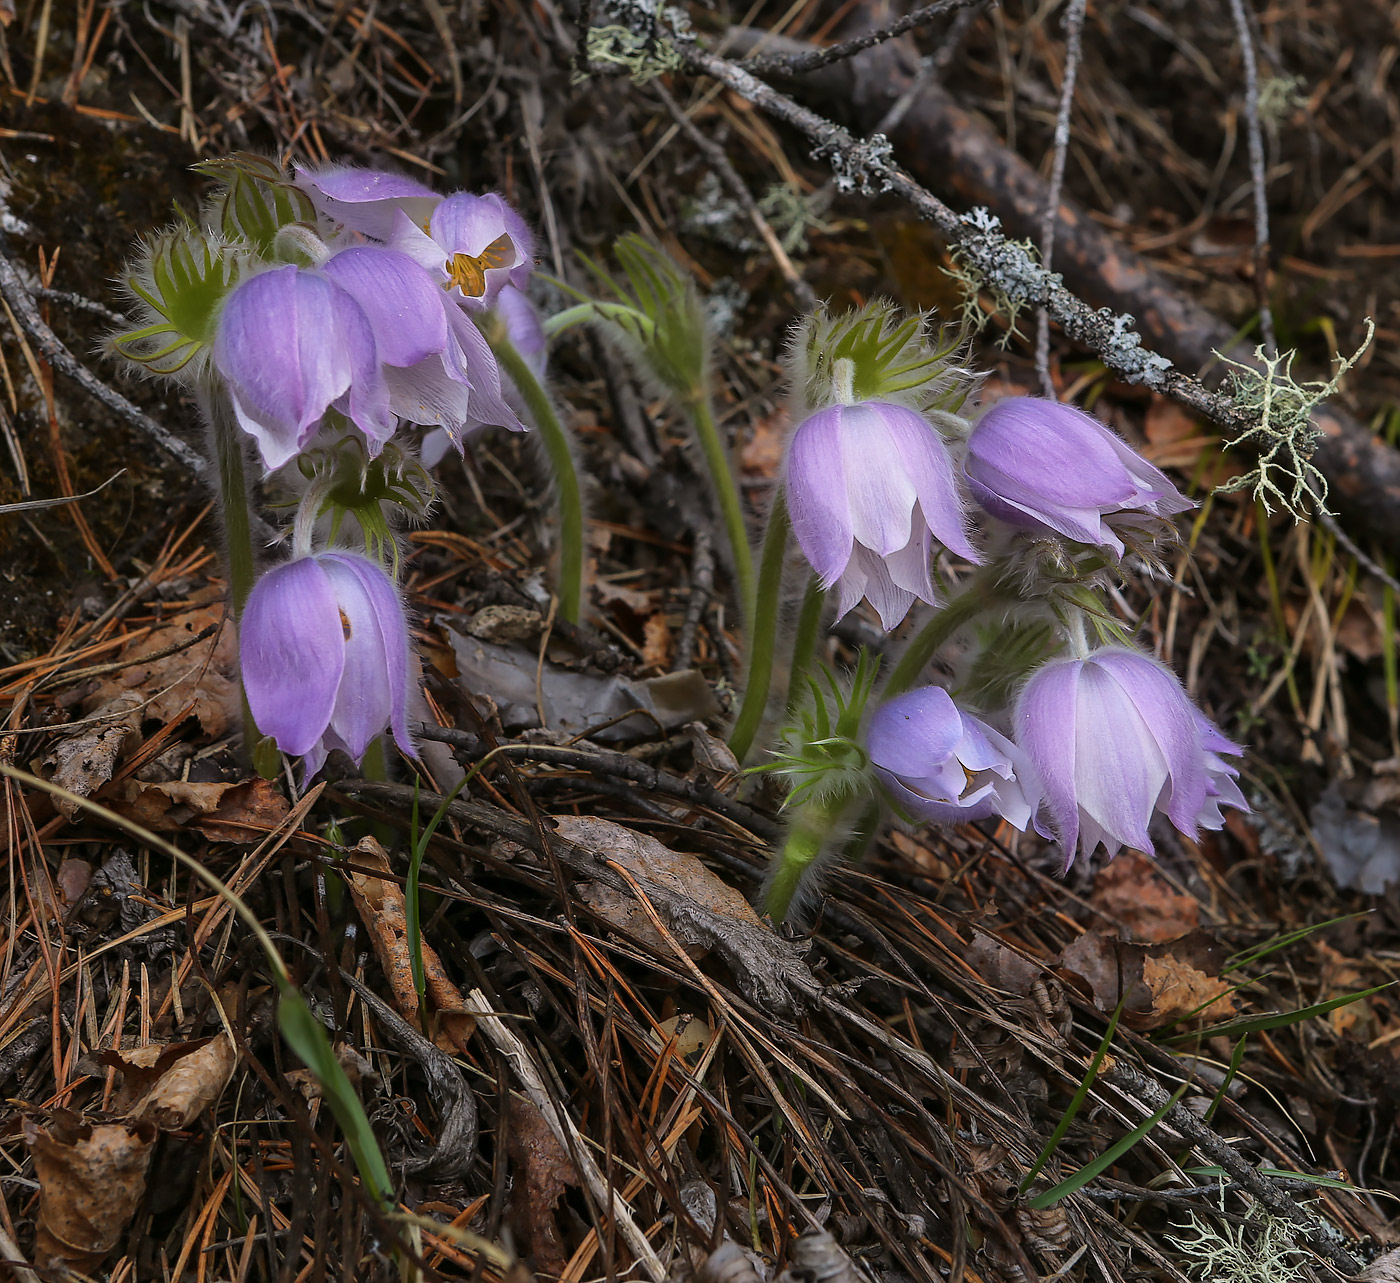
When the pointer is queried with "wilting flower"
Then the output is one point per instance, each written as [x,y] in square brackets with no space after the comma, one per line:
[1040,465]
[1114,737]
[366,200]
[942,764]
[438,367]
[473,245]
[868,488]
[526,333]
[290,345]
[324,649]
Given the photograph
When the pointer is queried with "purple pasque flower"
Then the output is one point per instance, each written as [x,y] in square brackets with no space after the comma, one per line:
[473,245]
[1039,465]
[365,200]
[868,488]
[526,332]
[290,345]
[323,645]
[1114,737]
[438,367]
[942,764]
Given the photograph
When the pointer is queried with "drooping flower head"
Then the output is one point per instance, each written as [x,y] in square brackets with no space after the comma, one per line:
[324,649]
[1040,465]
[366,200]
[1114,738]
[869,487]
[940,763]
[438,367]
[473,245]
[291,344]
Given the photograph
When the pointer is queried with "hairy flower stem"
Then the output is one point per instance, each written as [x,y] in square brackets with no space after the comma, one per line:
[808,839]
[763,630]
[727,491]
[976,597]
[804,643]
[561,462]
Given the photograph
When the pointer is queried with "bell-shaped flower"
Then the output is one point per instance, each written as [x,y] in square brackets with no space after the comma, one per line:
[291,345]
[366,200]
[324,649]
[1040,465]
[526,332]
[473,245]
[942,764]
[438,367]
[1114,738]
[869,486]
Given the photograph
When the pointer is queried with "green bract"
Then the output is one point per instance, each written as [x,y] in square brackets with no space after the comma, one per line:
[886,357]
[658,320]
[179,280]
[820,752]
[253,200]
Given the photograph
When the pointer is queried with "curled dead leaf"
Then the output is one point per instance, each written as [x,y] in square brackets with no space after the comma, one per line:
[547,1172]
[91,1179]
[194,1082]
[1133,893]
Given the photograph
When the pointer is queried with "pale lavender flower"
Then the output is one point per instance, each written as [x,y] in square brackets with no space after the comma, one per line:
[438,367]
[1114,738]
[942,764]
[526,332]
[324,649]
[366,200]
[290,345]
[1040,465]
[869,486]
[473,245]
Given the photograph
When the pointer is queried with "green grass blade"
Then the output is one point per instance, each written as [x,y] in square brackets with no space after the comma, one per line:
[1250,956]
[307,1037]
[1104,1161]
[1278,1019]
[1236,1059]
[1079,1098]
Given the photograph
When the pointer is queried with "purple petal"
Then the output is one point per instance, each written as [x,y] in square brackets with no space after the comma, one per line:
[289,344]
[880,494]
[909,567]
[467,224]
[524,327]
[1045,723]
[374,690]
[914,732]
[1165,708]
[487,405]
[891,602]
[815,484]
[1083,525]
[292,652]
[924,458]
[1120,769]
[1042,451]
[366,200]
[403,303]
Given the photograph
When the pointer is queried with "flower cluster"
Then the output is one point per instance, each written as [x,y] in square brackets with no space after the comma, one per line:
[315,314]
[1051,717]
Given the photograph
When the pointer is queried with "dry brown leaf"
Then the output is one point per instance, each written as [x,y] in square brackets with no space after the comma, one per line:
[714,759]
[548,1172]
[1178,989]
[380,902]
[91,1179]
[1132,892]
[1105,969]
[1000,966]
[1384,1269]
[649,861]
[657,645]
[761,454]
[193,1083]
[243,812]
[200,682]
